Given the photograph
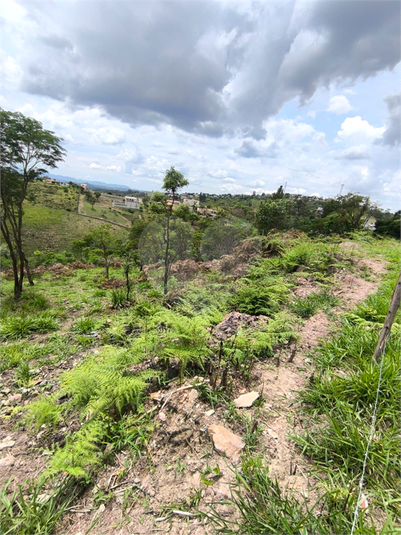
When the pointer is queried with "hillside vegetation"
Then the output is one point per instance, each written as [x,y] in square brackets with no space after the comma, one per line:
[51,222]
[109,401]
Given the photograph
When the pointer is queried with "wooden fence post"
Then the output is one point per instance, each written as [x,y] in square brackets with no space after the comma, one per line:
[392,311]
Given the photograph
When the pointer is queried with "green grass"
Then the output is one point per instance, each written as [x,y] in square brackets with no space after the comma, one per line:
[262,508]
[15,327]
[105,212]
[305,307]
[33,508]
[341,402]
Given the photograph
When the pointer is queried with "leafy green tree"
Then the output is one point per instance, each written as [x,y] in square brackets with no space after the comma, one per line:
[347,213]
[273,214]
[173,182]
[25,146]
[102,239]
[389,227]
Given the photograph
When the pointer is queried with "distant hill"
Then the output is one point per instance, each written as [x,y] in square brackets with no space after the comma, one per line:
[92,183]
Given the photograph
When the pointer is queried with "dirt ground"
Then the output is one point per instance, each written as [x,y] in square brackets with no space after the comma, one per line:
[149,495]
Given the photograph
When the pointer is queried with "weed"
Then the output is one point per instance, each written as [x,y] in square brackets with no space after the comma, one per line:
[44,412]
[15,327]
[263,508]
[22,374]
[32,509]
[305,307]
[83,325]
[119,298]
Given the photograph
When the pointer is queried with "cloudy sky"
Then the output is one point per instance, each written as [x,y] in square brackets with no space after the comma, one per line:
[239,96]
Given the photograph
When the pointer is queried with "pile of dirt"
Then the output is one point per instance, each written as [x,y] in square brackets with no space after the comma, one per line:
[111,284]
[234,321]
[185,269]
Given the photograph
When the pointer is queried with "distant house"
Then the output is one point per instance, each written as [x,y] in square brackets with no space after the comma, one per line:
[370,223]
[132,202]
[207,212]
[84,186]
[192,203]
[129,202]
[51,181]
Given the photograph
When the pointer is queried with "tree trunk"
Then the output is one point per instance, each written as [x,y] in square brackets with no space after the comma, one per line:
[166,256]
[28,271]
[106,261]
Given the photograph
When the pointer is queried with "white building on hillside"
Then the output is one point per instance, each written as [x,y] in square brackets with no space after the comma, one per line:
[129,202]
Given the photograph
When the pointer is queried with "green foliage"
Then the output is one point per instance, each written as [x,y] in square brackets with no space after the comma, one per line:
[256,299]
[273,214]
[305,307]
[22,373]
[173,181]
[183,338]
[24,147]
[82,452]
[341,404]
[263,508]
[222,236]
[103,385]
[118,298]
[83,325]
[389,227]
[44,411]
[16,327]
[30,301]
[32,508]
[152,243]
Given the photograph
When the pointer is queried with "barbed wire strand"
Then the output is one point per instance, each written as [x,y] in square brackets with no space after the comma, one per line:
[372,430]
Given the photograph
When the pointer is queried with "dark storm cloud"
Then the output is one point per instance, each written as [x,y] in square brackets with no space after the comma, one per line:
[392,134]
[204,66]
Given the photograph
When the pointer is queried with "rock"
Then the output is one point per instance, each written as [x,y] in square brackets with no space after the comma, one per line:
[246,400]
[5,462]
[15,399]
[193,395]
[272,433]
[101,510]
[209,413]
[226,442]
[162,416]
[7,443]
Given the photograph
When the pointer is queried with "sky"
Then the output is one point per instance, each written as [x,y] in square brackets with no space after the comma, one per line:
[238,96]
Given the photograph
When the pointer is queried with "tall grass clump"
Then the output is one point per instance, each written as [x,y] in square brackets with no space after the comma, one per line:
[32,509]
[264,508]
[16,327]
[341,398]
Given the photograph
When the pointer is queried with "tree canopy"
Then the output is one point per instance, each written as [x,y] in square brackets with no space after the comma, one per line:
[26,149]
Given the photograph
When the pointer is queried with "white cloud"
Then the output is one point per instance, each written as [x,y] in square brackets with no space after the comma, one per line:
[113,168]
[356,127]
[109,136]
[218,173]
[339,105]
[359,152]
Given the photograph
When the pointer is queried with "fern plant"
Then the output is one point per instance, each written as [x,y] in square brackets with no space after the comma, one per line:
[183,338]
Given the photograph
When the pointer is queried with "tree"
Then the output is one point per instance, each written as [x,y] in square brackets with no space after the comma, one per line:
[273,214]
[347,212]
[25,146]
[173,181]
[103,239]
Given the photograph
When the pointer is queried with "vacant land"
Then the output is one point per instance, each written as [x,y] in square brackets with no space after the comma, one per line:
[112,409]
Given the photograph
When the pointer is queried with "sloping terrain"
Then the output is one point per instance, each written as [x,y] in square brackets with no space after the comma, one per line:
[125,404]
